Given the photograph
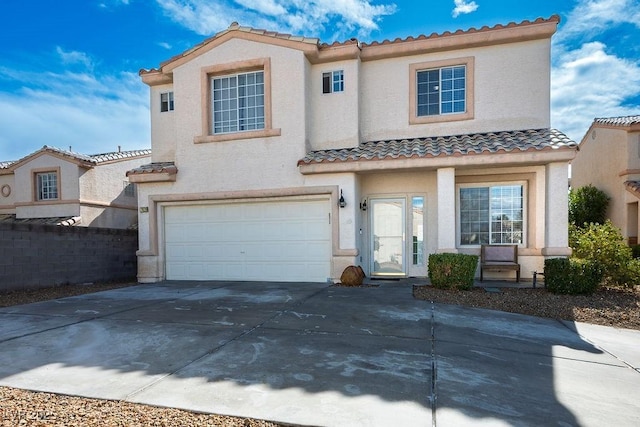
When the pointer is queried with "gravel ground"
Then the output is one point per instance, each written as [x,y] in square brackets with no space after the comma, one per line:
[610,307]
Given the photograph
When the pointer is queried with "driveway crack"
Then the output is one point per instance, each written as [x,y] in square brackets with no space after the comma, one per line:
[434,377]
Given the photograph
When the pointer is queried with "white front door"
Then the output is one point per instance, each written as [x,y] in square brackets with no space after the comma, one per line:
[388,237]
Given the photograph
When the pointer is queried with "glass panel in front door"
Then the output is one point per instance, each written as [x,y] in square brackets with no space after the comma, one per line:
[388,244]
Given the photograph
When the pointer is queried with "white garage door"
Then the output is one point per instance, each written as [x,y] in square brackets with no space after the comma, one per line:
[270,241]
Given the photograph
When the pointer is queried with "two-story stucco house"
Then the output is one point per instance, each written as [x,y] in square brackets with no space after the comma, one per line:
[609,159]
[280,158]
[62,187]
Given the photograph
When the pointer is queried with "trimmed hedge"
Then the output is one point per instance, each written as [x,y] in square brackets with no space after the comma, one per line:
[571,276]
[452,271]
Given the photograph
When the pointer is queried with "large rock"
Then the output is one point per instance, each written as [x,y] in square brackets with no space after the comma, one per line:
[352,276]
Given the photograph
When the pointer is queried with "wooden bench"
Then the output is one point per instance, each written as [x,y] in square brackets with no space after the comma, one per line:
[499,258]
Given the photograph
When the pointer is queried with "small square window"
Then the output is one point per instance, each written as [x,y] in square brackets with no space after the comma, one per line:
[333,81]
[166,102]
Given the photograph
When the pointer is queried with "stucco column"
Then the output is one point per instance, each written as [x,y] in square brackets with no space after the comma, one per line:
[446,181]
[557,210]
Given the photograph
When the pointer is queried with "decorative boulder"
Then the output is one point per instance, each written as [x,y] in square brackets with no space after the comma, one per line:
[352,276]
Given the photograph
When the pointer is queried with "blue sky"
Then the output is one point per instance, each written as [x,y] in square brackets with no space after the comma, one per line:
[69,68]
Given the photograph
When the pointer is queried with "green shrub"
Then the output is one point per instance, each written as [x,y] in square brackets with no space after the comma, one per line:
[571,276]
[635,251]
[587,205]
[630,275]
[452,270]
[604,245]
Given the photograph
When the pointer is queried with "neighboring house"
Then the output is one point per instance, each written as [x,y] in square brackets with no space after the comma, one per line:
[54,186]
[280,158]
[609,159]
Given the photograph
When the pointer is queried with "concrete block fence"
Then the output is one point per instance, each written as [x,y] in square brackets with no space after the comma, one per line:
[37,256]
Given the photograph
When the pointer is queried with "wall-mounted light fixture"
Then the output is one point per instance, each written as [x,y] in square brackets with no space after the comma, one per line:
[363,205]
[342,203]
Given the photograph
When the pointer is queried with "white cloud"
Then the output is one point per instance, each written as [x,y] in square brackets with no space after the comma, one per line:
[588,79]
[590,17]
[75,58]
[463,7]
[90,113]
[307,18]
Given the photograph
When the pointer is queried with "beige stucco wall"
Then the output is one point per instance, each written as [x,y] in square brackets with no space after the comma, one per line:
[604,154]
[163,131]
[7,185]
[511,92]
[96,194]
[68,188]
[249,163]
[334,117]
[106,182]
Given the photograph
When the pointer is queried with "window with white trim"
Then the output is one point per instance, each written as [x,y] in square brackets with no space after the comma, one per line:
[47,185]
[238,102]
[441,91]
[166,102]
[333,81]
[492,214]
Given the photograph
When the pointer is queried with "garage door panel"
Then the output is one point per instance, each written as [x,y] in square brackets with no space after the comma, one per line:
[276,241]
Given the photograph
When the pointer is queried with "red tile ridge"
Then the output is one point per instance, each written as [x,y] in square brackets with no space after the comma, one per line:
[553,18]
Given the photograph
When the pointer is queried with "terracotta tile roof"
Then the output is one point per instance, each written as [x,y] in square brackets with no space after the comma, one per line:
[158,167]
[618,121]
[120,155]
[236,27]
[90,159]
[472,30]
[312,41]
[633,187]
[58,220]
[458,145]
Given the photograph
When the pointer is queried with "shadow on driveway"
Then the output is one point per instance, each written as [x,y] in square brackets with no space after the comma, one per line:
[311,354]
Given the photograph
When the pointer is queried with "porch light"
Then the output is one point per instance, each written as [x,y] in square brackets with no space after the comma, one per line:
[342,203]
[363,205]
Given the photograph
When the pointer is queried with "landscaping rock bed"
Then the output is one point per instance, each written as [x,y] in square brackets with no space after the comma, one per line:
[609,306]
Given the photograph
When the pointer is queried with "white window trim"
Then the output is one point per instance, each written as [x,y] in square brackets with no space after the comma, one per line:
[36,187]
[409,230]
[170,102]
[237,99]
[525,208]
[331,75]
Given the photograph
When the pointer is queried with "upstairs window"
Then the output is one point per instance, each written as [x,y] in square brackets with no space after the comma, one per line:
[441,91]
[238,102]
[47,185]
[166,102]
[333,81]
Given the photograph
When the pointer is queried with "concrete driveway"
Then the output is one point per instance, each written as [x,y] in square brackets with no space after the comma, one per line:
[312,354]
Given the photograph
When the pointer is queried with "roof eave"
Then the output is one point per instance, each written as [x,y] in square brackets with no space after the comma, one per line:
[539,29]
[168,66]
[502,159]
[155,77]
